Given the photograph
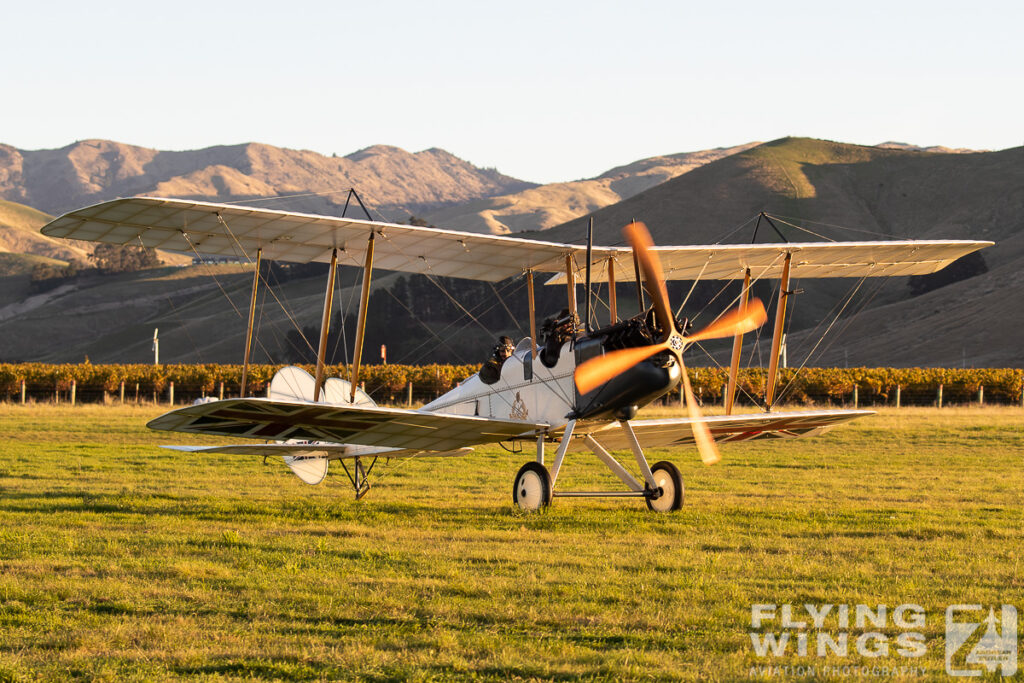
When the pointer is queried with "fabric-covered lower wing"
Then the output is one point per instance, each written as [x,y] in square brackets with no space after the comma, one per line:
[319,450]
[725,428]
[273,420]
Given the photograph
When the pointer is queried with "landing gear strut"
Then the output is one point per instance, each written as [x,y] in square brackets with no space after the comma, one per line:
[359,476]
[662,487]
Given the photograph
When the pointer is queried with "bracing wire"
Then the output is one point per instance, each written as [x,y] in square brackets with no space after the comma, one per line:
[833,225]
[284,309]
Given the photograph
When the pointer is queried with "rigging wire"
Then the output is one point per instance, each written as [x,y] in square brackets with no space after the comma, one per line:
[792,382]
[515,322]
[810,232]
[837,227]
[272,293]
[287,196]
[223,291]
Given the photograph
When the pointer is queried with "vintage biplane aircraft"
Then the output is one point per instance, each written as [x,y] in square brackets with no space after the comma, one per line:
[579,388]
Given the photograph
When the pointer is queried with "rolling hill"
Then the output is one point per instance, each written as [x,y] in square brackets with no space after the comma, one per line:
[546,206]
[875,192]
[393,180]
[19,234]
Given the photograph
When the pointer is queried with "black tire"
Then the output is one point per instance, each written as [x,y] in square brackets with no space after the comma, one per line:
[531,489]
[671,485]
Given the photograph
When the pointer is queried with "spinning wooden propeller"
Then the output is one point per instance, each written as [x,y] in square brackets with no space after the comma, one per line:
[597,371]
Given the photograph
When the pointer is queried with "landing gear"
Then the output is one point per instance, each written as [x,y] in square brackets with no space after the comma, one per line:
[670,486]
[660,486]
[531,490]
[359,476]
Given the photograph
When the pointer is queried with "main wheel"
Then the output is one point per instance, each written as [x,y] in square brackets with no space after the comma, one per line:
[670,483]
[531,490]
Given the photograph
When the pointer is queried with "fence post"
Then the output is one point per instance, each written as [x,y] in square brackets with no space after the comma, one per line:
[220,392]
[136,392]
[74,386]
[408,395]
[856,397]
[122,392]
[981,395]
[170,392]
[22,392]
[56,394]
[898,396]
[939,400]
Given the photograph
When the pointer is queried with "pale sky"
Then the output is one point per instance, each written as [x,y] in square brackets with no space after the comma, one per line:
[544,91]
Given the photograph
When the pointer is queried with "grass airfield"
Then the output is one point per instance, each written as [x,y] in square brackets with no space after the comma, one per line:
[121,561]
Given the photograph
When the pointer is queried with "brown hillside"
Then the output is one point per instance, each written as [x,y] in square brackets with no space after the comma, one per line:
[546,206]
[880,193]
[391,179]
[19,234]
[883,192]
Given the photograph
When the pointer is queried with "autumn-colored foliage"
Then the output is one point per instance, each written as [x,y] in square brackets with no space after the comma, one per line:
[875,385]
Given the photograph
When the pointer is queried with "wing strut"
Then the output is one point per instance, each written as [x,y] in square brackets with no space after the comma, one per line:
[570,282]
[364,300]
[737,347]
[325,325]
[533,313]
[780,321]
[613,313]
[252,317]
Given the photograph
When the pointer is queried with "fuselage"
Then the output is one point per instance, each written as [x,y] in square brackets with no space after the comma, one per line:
[530,390]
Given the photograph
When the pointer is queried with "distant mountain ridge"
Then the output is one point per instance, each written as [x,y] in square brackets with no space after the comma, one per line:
[544,207]
[878,192]
[875,193]
[389,178]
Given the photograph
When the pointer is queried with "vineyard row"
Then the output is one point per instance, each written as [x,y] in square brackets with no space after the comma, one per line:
[408,383]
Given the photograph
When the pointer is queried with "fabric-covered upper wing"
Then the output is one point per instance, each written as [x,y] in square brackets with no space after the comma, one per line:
[677,431]
[239,231]
[261,418]
[809,260]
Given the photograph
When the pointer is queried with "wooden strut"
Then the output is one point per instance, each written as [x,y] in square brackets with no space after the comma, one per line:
[570,280]
[737,347]
[533,318]
[364,299]
[612,304]
[252,318]
[780,320]
[325,325]
[639,282]
[590,261]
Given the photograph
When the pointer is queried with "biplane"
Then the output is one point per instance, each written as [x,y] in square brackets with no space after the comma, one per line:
[577,389]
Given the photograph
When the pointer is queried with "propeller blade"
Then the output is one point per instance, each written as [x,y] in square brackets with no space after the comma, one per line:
[597,371]
[654,279]
[701,434]
[736,321]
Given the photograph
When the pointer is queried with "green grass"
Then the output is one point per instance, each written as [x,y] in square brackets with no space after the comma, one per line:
[122,561]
